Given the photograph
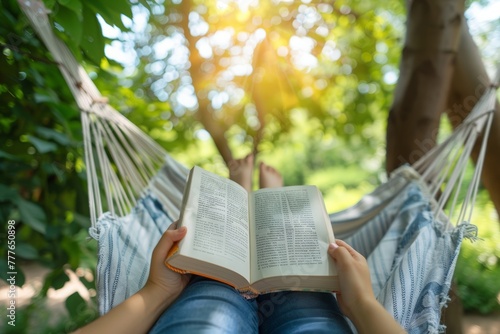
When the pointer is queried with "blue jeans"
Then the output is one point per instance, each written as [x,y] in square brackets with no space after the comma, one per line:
[207,306]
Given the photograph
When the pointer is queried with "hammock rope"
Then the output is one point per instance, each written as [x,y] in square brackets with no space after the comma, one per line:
[117,153]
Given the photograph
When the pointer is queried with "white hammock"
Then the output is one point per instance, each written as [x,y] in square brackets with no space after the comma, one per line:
[410,243]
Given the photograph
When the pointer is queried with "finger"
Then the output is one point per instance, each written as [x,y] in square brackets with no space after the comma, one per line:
[349,248]
[341,255]
[332,247]
[167,241]
[173,226]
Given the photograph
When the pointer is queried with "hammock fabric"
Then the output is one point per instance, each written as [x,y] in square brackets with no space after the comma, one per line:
[409,241]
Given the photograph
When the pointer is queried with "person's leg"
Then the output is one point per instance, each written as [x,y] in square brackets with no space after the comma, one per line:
[295,312]
[269,177]
[241,170]
[207,306]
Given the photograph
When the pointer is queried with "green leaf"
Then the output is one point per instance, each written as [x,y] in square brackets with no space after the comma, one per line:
[26,251]
[82,220]
[45,96]
[73,250]
[63,112]
[32,215]
[59,137]
[7,194]
[59,280]
[92,42]
[123,7]
[52,232]
[9,156]
[71,23]
[111,11]
[9,73]
[56,279]
[49,3]
[75,304]
[42,146]
[74,5]
[146,4]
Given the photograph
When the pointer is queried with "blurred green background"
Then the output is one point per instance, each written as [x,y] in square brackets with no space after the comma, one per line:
[336,67]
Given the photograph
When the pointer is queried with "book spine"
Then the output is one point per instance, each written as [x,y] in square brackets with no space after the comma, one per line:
[175,269]
[248,292]
[172,252]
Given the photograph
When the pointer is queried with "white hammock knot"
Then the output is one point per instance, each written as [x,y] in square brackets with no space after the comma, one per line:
[470,231]
[442,328]
[94,232]
[407,172]
[444,300]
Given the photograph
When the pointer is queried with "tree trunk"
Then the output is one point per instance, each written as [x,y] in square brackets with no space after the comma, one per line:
[204,114]
[216,130]
[432,38]
[426,69]
[470,81]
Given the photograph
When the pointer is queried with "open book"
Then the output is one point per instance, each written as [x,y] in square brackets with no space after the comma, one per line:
[269,240]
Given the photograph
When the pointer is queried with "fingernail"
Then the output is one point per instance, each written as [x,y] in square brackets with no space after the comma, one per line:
[333,246]
[182,229]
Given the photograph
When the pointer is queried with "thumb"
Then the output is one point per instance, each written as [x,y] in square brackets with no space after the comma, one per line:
[339,253]
[167,240]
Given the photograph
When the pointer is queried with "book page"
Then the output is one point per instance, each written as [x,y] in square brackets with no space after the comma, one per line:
[217,219]
[289,233]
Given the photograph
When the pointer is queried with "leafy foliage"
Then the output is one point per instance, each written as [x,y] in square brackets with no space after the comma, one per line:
[242,67]
[43,182]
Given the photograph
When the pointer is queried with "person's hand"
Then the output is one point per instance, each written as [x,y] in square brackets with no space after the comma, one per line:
[161,279]
[140,311]
[354,278]
[356,298]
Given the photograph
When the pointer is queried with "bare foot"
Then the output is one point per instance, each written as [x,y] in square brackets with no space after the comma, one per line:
[241,170]
[269,177]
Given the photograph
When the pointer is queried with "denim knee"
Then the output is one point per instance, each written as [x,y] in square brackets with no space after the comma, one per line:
[300,312]
[207,306]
